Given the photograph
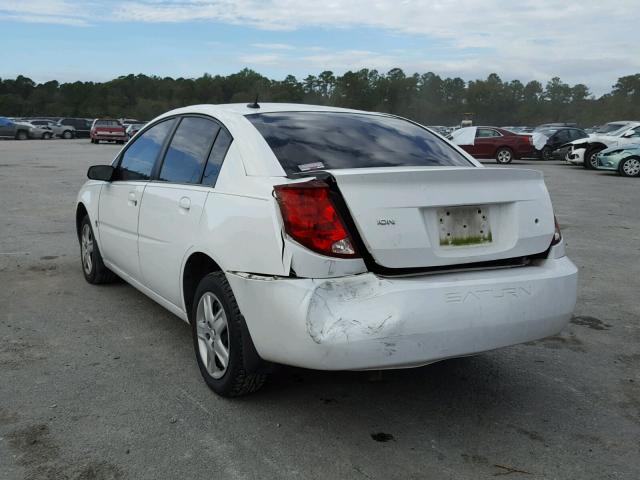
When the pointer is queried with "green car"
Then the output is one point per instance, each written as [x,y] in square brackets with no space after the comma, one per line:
[624,159]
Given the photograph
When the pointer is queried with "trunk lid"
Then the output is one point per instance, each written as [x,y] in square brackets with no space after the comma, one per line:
[413,217]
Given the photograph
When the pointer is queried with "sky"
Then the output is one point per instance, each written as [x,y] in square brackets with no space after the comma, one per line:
[590,42]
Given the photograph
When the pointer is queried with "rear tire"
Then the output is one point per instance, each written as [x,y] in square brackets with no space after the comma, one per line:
[546,154]
[92,266]
[46,136]
[630,167]
[217,329]
[504,155]
[67,134]
[590,162]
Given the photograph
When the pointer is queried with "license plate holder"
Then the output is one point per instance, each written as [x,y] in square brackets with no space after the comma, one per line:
[464,226]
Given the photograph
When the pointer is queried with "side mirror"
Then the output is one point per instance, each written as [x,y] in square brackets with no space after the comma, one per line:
[628,134]
[101,172]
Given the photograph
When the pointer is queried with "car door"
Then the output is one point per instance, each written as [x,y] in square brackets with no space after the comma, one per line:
[174,202]
[559,138]
[485,144]
[121,198]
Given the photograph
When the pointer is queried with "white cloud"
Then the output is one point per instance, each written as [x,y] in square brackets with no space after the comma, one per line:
[589,41]
[61,12]
[270,59]
[273,46]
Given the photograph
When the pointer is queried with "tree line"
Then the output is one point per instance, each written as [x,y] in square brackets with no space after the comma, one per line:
[427,98]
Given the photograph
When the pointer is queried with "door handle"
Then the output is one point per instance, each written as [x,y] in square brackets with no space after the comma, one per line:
[133,201]
[185,203]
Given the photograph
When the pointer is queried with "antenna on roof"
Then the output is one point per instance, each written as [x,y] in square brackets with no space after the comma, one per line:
[255,104]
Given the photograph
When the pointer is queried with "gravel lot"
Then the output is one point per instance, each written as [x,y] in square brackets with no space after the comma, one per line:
[101,383]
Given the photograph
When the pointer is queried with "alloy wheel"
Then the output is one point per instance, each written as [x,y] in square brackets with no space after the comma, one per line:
[213,335]
[87,249]
[631,167]
[504,156]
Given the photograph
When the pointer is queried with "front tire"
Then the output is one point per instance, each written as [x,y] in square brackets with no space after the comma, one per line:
[46,136]
[630,167]
[217,331]
[546,153]
[92,266]
[590,160]
[22,135]
[504,156]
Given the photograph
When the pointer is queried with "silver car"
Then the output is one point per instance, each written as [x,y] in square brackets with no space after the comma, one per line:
[59,130]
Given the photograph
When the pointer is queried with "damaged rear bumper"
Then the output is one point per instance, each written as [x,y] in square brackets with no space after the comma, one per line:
[370,322]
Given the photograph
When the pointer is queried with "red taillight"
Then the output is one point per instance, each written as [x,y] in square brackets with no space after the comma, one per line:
[557,235]
[310,218]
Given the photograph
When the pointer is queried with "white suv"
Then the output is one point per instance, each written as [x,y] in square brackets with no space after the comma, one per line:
[324,238]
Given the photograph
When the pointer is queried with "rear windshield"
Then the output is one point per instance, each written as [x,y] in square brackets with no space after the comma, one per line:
[107,123]
[304,141]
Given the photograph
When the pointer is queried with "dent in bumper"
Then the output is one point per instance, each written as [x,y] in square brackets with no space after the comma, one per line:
[365,321]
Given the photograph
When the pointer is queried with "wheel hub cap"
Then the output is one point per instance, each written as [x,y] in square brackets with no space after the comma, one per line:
[632,167]
[213,335]
[86,247]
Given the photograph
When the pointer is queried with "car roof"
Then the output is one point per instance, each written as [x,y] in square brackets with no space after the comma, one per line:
[242,109]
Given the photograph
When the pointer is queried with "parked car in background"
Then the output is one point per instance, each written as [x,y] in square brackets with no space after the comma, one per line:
[82,125]
[133,128]
[553,142]
[519,130]
[109,130]
[324,238]
[584,151]
[59,130]
[623,159]
[21,130]
[493,142]
[554,125]
[10,129]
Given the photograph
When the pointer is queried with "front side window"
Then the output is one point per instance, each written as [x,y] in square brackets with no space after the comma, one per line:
[562,136]
[187,153]
[138,159]
[304,141]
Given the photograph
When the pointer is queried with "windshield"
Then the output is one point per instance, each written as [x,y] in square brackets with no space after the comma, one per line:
[304,141]
[610,127]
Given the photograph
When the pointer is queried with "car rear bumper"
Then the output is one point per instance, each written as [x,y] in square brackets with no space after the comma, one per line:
[371,322]
[101,136]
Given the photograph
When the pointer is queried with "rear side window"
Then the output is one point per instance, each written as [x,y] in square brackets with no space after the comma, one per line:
[138,159]
[486,133]
[186,156]
[218,152]
[304,141]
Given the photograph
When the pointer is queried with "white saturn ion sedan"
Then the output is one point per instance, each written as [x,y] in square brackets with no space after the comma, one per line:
[324,238]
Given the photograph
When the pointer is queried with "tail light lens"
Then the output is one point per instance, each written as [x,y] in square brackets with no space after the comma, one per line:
[311,219]
[557,235]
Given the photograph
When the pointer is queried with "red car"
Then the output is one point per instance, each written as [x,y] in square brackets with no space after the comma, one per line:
[498,143]
[109,130]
